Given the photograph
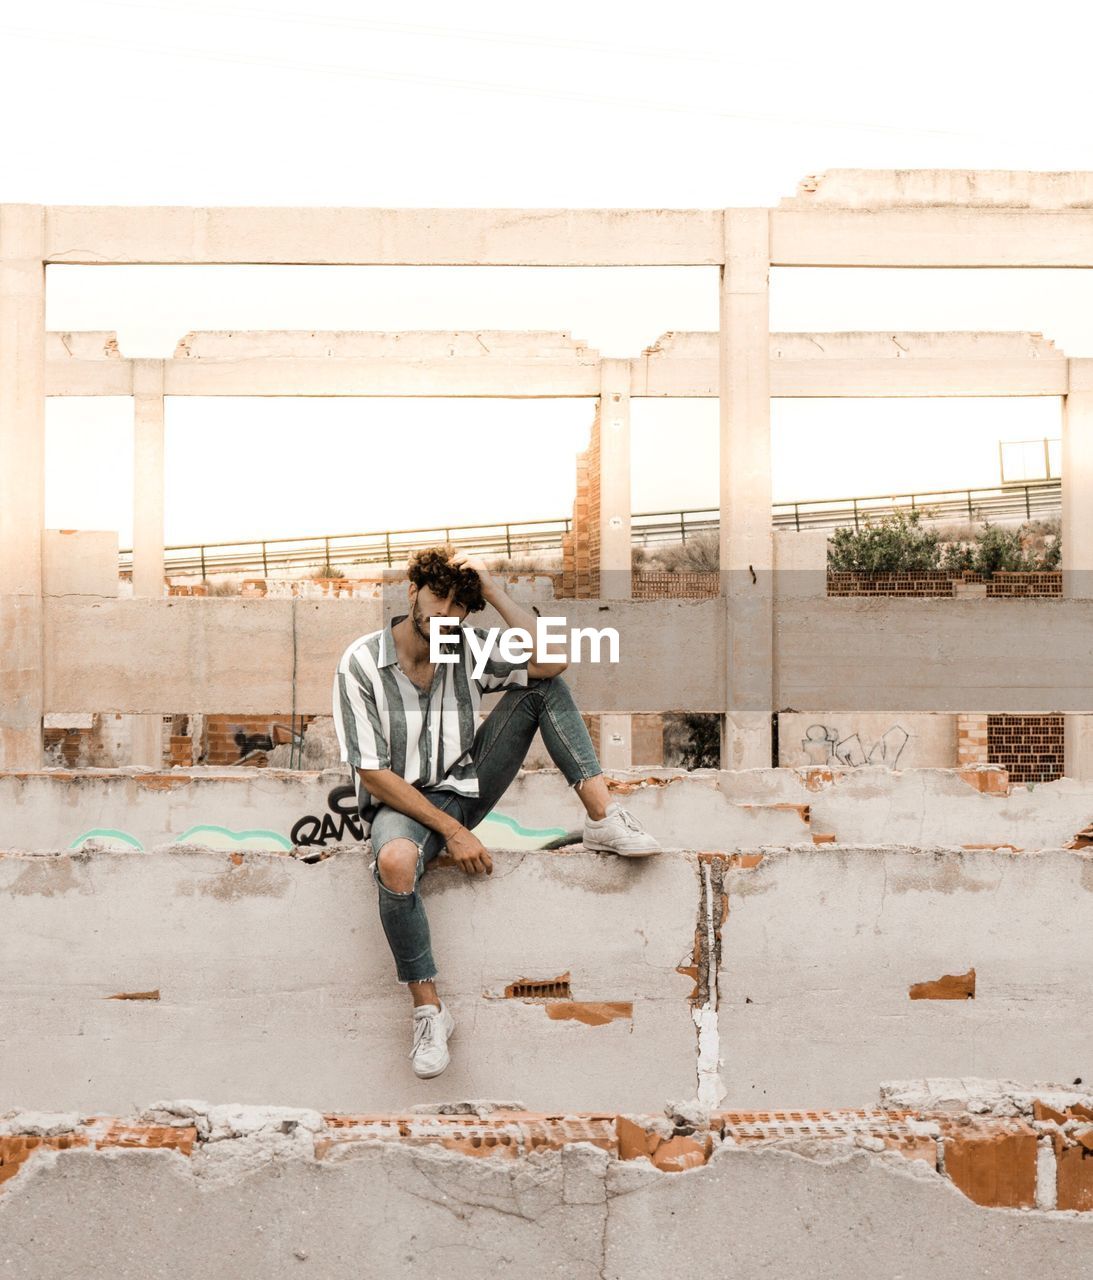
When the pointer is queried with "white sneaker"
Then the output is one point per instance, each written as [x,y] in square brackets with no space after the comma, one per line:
[619,832]
[432,1027]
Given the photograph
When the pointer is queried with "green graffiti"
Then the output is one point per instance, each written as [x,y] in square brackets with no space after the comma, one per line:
[122,838]
[211,837]
[496,831]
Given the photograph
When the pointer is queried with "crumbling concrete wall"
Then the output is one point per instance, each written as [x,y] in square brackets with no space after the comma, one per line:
[786,976]
[834,968]
[251,976]
[233,1192]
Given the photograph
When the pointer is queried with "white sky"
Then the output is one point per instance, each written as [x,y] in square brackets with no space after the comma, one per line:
[489,104]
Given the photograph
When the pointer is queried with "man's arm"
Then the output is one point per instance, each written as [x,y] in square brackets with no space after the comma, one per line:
[388,788]
[464,846]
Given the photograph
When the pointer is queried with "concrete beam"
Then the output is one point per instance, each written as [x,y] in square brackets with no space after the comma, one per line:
[98,235]
[927,218]
[532,365]
[231,654]
[864,365]
[935,655]
[939,237]
[839,655]
[944,188]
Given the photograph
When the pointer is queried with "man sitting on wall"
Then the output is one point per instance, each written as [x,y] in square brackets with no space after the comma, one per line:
[426,772]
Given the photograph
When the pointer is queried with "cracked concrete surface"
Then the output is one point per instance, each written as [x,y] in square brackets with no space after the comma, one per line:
[253,1201]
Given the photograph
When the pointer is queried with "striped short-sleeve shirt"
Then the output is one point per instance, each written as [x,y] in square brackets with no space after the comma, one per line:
[384,721]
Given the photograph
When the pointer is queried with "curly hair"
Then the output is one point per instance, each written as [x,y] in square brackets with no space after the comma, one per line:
[430,567]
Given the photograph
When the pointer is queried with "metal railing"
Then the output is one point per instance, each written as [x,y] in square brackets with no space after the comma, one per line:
[523,537]
[1034,498]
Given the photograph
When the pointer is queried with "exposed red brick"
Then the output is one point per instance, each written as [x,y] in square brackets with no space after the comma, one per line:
[744,860]
[595,1013]
[912,1146]
[552,1134]
[803,811]
[818,779]
[135,995]
[162,782]
[951,986]
[153,1137]
[17,1148]
[673,1155]
[556,988]
[625,786]
[634,1139]
[1041,1111]
[993,1164]
[1074,1178]
[990,781]
[1083,839]
[670,1155]
[483,1144]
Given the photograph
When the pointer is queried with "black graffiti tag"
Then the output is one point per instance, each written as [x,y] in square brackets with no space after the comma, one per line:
[310,830]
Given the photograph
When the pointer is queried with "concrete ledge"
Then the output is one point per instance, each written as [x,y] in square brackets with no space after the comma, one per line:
[718,810]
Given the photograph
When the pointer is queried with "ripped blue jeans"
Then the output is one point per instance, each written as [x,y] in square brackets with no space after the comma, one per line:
[500,747]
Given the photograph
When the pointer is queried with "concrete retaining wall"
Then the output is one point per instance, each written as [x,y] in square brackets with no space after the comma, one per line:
[256,977]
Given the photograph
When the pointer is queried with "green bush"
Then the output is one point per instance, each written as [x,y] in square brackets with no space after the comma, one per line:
[1033,547]
[893,543]
[898,542]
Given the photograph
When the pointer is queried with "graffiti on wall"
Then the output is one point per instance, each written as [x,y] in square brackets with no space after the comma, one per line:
[340,824]
[496,830]
[342,816]
[823,745]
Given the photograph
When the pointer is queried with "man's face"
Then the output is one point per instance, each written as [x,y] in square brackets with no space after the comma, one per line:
[425,603]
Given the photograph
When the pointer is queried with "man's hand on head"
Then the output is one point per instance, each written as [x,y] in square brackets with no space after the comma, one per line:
[464,560]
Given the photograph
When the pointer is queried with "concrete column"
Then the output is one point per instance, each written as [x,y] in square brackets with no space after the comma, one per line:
[148,478]
[615,501]
[1077,535]
[615,583]
[747,542]
[22,483]
[147,730]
